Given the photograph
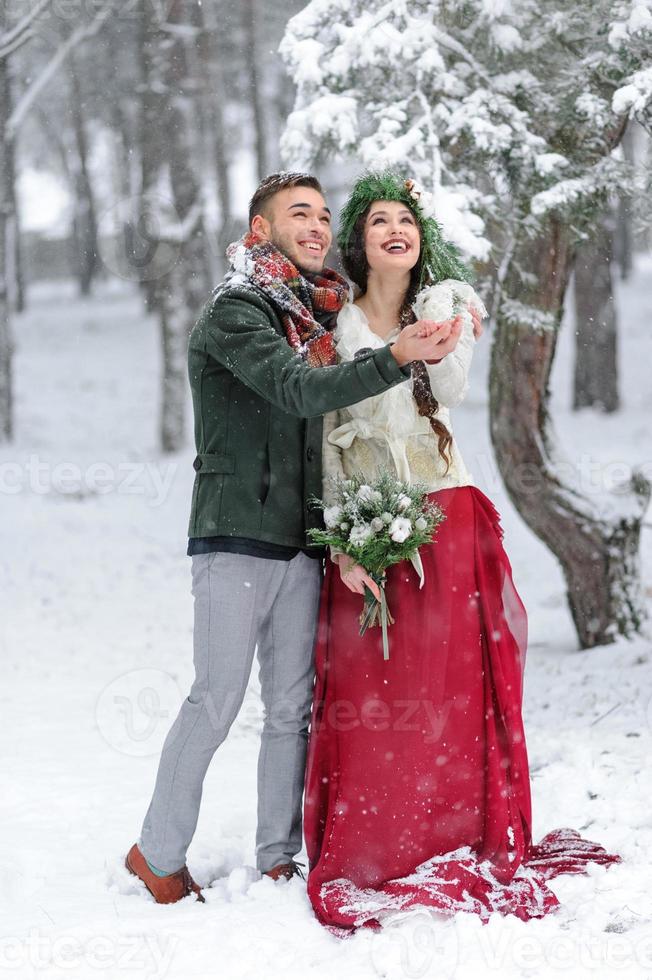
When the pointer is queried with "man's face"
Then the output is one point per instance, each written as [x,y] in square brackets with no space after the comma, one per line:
[299,224]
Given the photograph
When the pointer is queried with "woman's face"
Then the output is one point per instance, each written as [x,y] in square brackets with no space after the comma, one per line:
[391,237]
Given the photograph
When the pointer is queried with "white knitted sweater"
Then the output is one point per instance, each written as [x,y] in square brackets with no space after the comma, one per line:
[386,431]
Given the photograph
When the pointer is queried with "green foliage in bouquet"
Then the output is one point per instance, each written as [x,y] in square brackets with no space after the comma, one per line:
[379,523]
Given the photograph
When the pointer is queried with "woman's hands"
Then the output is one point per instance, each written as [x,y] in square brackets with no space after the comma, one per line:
[354,576]
[411,345]
[428,327]
[478,329]
[448,332]
[446,335]
[420,341]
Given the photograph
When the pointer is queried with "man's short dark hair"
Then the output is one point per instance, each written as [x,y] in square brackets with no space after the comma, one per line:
[274,183]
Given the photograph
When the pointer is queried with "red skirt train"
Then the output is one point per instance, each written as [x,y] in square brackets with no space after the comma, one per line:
[417,784]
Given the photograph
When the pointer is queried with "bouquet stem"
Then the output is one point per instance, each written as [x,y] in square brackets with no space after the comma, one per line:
[376,613]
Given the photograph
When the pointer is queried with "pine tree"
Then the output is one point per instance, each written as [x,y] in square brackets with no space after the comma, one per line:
[512,114]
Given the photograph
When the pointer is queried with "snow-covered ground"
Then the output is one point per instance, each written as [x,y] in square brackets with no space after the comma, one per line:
[95,638]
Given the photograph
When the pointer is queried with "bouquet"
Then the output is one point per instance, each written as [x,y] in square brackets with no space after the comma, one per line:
[378,524]
[448,299]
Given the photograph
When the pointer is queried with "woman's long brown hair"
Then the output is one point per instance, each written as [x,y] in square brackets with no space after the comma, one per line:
[356,267]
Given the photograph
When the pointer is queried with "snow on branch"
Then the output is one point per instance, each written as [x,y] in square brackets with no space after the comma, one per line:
[519,314]
[634,98]
[630,34]
[631,18]
[330,121]
[496,99]
[31,94]
[565,195]
[21,32]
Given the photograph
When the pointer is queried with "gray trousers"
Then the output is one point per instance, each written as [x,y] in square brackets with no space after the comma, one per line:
[241,602]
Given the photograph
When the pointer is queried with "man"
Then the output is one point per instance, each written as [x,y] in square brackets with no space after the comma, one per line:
[262,372]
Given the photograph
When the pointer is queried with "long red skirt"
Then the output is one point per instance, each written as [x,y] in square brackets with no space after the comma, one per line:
[417,783]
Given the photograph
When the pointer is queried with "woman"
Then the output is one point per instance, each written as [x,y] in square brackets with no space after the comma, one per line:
[417,784]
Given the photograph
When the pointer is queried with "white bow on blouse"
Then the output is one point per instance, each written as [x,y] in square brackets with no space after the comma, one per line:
[390,417]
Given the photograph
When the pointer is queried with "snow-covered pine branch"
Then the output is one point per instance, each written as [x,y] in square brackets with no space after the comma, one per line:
[511,115]
[635,98]
[519,99]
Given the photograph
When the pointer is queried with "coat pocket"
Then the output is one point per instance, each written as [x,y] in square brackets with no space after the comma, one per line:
[266,478]
[220,463]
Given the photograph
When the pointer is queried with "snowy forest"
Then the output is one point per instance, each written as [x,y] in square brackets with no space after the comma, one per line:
[132,136]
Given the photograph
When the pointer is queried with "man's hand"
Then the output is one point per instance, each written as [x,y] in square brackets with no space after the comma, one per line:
[354,576]
[440,339]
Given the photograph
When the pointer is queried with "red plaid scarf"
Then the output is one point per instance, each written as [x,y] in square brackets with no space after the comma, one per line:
[295,296]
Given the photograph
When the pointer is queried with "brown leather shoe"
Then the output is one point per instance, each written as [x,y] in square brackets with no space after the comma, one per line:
[166,889]
[286,870]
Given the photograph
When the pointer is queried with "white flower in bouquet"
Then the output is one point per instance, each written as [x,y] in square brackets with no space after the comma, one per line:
[386,517]
[403,503]
[421,523]
[332,516]
[446,299]
[367,495]
[400,529]
[377,524]
[359,534]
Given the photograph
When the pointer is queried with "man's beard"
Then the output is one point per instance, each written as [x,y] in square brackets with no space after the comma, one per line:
[287,245]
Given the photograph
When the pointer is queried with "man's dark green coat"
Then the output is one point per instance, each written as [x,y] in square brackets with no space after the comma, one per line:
[258,419]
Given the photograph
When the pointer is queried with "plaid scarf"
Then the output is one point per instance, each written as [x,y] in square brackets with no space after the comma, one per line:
[297,296]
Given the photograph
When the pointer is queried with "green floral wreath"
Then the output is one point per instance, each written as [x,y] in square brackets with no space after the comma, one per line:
[439,258]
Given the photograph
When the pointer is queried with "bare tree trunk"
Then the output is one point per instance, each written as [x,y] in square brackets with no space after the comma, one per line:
[127,136]
[171,150]
[16,280]
[127,167]
[249,17]
[596,339]
[85,220]
[623,237]
[214,96]
[6,197]
[126,175]
[595,539]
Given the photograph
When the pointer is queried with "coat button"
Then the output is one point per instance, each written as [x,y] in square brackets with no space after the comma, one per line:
[197,464]
[310,454]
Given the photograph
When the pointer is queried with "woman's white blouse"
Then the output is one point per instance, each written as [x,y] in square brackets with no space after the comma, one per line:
[386,431]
